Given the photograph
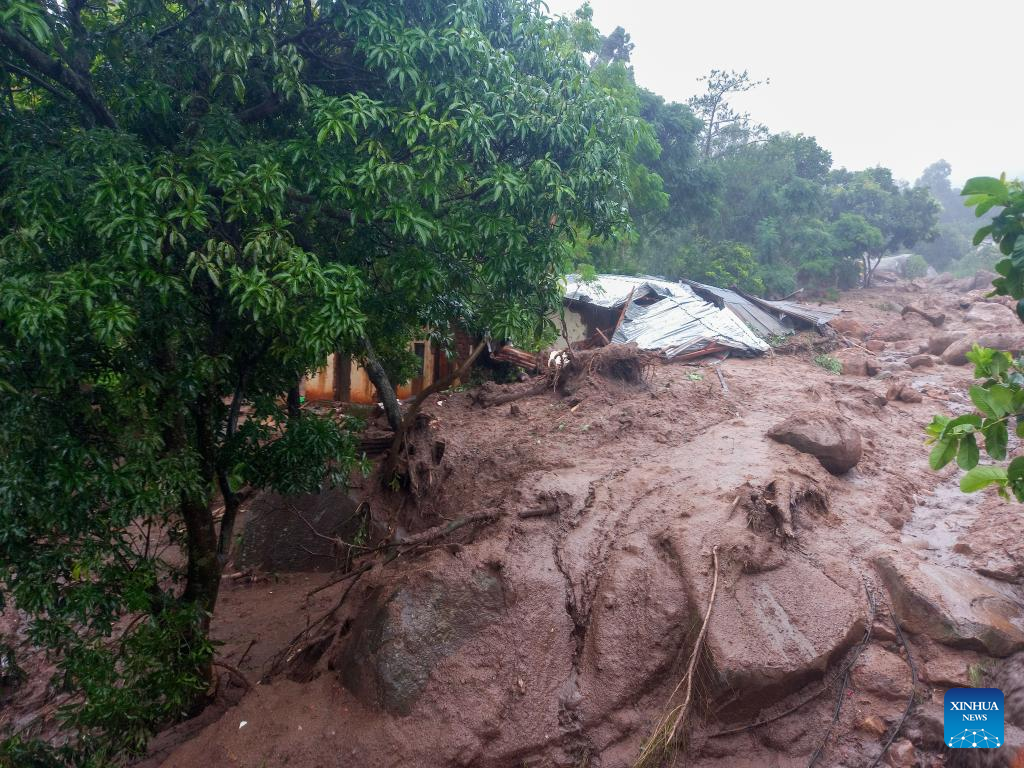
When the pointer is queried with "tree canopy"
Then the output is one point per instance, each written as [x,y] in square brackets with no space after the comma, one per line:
[200,202]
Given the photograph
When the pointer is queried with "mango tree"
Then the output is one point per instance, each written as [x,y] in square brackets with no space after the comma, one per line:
[199,202]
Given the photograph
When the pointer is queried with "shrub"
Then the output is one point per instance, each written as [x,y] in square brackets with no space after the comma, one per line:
[915,267]
[829,363]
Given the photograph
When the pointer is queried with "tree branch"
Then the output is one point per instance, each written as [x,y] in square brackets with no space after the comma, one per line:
[55,70]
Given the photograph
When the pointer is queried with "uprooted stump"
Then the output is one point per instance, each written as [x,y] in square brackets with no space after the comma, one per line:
[570,370]
[620,362]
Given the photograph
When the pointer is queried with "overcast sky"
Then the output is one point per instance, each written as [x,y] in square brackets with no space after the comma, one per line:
[899,83]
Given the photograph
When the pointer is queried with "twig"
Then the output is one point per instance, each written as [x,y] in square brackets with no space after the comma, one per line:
[663,738]
[721,379]
[439,531]
[245,652]
[910,700]
[344,577]
[538,512]
[235,671]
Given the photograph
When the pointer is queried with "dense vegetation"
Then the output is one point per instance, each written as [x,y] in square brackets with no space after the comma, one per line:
[999,395]
[199,202]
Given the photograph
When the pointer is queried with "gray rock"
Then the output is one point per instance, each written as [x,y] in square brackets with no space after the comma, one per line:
[921,361]
[954,606]
[829,437]
[400,637]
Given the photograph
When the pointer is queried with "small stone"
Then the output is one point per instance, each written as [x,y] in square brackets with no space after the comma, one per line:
[902,754]
[921,361]
[872,724]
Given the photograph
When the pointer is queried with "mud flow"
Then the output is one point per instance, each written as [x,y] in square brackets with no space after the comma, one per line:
[548,580]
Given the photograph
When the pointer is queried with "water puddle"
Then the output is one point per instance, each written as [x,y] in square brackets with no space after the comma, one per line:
[938,522]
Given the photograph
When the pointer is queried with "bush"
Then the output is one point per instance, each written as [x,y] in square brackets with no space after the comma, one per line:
[915,267]
[779,280]
[829,363]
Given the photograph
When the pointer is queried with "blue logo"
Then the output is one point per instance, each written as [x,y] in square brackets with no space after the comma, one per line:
[973,718]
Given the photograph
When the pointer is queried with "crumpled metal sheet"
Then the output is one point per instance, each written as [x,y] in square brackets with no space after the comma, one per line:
[685,323]
[610,291]
[804,312]
[760,321]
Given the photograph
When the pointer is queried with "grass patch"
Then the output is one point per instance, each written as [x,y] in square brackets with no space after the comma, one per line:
[829,363]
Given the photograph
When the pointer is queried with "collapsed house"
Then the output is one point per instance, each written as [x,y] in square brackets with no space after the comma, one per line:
[680,320]
[766,318]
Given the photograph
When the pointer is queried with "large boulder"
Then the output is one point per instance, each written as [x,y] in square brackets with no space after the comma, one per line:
[401,636]
[939,342]
[956,353]
[848,327]
[857,362]
[954,606]
[829,437]
[990,313]
[290,533]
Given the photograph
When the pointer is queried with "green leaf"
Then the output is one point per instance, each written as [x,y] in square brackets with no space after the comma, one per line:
[984,185]
[981,234]
[967,456]
[980,477]
[980,398]
[995,439]
[942,453]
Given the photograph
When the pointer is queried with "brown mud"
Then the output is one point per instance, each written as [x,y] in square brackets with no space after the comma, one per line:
[552,629]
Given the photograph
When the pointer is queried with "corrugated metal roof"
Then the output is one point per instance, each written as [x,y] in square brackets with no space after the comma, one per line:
[614,290]
[684,324]
[804,312]
[762,322]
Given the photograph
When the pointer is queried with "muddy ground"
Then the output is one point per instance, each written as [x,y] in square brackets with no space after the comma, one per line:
[552,629]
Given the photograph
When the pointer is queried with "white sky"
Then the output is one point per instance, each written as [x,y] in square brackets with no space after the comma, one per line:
[899,83]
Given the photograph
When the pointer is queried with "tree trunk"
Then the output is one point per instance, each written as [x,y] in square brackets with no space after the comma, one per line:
[385,390]
[294,402]
[410,417]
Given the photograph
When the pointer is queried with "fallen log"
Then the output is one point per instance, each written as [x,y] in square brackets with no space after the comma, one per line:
[935,320]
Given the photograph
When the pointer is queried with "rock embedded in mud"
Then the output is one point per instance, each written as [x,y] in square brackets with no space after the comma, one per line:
[829,437]
[954,606]
[774,632]
[857,362]
[387,658]
[902,754]
[849,327]
[938,343]
[989,313]
[881,673]
[956,353]
[920,361]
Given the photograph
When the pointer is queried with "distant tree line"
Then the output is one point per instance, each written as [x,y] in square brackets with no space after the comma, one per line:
[716,196]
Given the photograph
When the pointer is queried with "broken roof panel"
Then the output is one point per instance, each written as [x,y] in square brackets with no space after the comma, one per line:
[802,312]
[611,291]
[684,324]
[762,322]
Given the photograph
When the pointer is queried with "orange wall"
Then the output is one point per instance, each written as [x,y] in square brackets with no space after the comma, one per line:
[320,386]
